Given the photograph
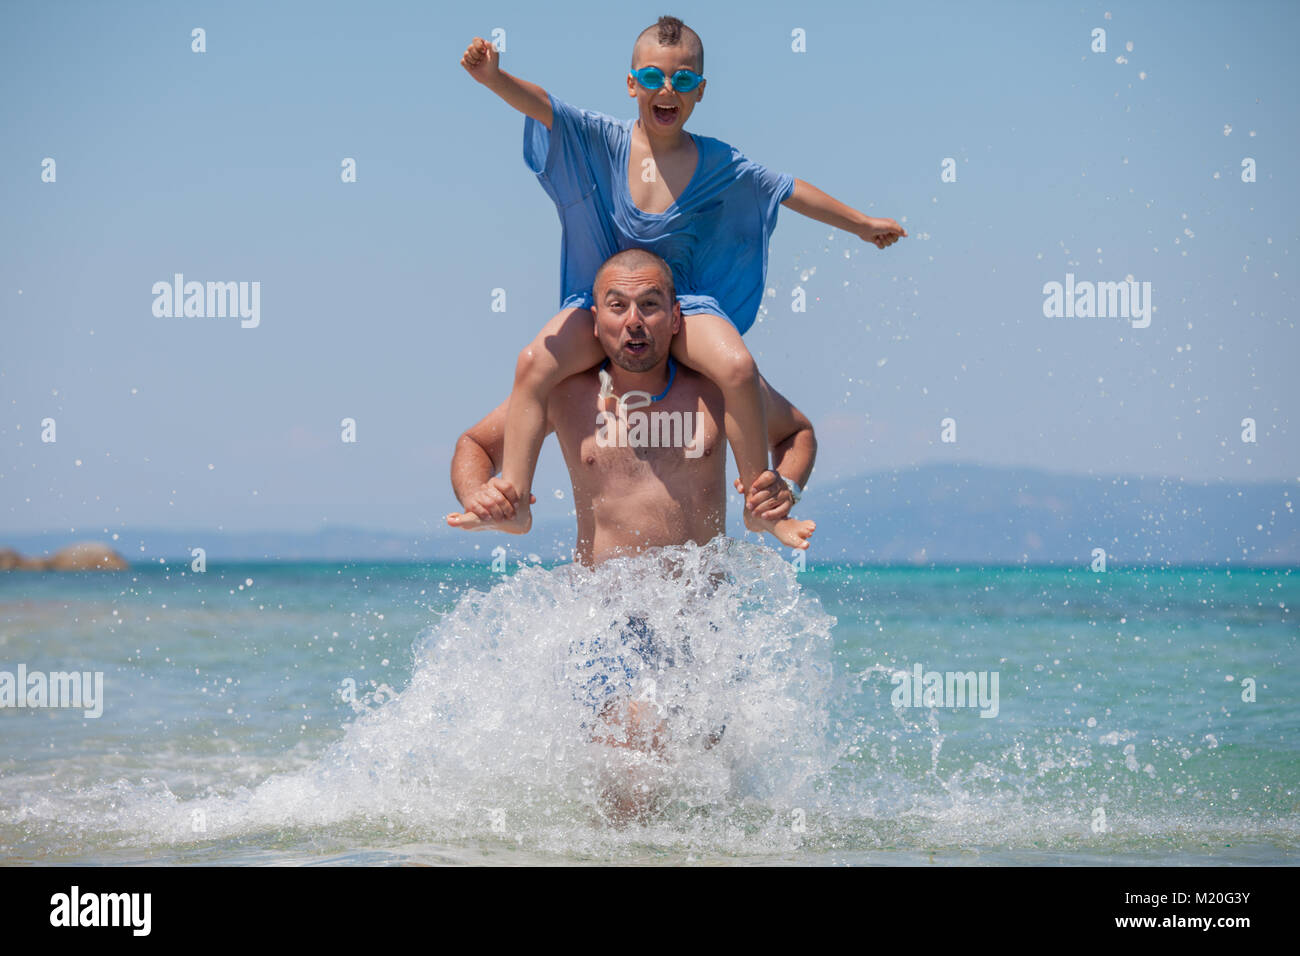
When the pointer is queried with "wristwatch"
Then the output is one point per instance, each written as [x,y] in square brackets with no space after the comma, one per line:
[795,491]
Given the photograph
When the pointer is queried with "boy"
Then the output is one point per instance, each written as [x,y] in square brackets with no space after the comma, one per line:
[695,201]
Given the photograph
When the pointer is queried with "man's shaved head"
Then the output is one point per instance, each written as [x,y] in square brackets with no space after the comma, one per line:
[636,259]
[670,31]
[636,309]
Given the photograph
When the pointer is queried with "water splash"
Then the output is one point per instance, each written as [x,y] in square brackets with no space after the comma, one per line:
[767,753]
[498,736]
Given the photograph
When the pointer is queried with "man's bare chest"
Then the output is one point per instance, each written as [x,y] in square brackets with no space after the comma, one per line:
[642,443]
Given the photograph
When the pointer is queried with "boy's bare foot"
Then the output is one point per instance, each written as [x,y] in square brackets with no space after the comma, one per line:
[791,532]
[770,497]
[495,506]
[775,507]
[521,523]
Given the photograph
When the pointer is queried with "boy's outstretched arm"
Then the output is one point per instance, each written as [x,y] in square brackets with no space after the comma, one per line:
[808,200]
[482,61]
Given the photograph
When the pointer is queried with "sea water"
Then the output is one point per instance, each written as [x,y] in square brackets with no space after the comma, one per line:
[401,713]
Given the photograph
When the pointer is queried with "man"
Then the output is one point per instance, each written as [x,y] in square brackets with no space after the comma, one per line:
[633,494]
[644,443]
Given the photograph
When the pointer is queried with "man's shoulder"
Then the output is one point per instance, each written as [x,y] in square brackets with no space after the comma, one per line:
[580,386]
[697,385]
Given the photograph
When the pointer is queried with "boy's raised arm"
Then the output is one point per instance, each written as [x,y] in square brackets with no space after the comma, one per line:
[808,200]
[482,61]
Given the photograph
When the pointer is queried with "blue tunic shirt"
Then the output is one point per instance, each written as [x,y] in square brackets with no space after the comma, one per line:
[714,236]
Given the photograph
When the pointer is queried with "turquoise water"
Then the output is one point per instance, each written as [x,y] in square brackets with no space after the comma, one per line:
[230,733]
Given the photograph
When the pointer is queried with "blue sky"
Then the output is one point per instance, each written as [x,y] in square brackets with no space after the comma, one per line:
[376,295]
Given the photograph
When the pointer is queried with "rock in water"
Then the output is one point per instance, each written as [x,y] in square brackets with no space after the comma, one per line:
[86,556]
[82,556]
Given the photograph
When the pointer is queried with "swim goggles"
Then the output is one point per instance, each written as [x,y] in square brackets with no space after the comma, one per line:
[652,78]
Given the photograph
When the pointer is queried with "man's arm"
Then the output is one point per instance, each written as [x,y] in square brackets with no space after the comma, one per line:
[794,443]
[478,453]
[794,449]
[474,479]
[808,200]
[482,61]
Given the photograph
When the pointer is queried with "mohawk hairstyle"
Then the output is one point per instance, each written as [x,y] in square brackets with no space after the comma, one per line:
[670,31]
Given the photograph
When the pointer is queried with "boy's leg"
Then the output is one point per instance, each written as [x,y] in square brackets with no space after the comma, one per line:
[565,346]
[713,347]
[793,441]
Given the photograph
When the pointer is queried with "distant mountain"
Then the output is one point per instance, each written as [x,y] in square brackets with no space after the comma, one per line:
[956,513]
[931,514]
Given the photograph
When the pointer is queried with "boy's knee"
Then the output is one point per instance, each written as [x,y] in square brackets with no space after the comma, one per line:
[738,370]
[533,365]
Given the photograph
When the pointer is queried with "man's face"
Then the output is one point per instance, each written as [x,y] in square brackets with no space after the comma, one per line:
[664,110]
[635,318]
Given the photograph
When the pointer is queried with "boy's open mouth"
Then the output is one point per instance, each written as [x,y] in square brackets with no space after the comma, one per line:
[665,115]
